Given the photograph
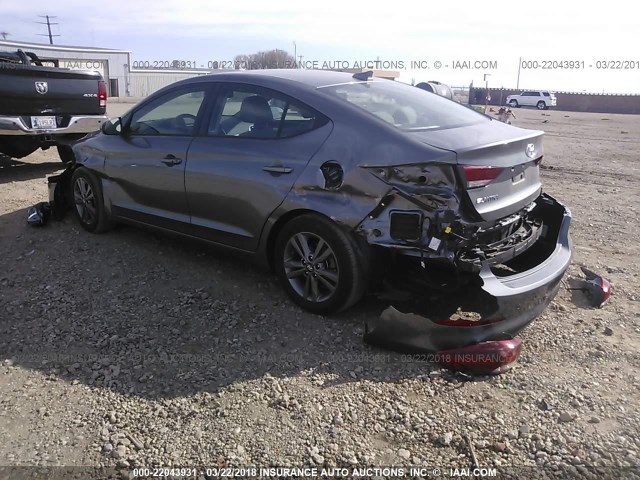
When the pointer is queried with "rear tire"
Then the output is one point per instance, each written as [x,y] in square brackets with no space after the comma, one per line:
[319,266]
[88,202]
[541,105]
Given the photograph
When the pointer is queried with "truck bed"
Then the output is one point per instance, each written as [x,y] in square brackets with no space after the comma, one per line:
[68,92]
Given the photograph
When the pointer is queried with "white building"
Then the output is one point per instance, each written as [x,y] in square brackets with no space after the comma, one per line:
[116,67]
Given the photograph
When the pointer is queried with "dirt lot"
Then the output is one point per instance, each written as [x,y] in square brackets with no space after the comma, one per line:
[132,349]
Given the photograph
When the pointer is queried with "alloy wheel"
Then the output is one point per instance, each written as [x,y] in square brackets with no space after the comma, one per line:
[84,200]
[311,267]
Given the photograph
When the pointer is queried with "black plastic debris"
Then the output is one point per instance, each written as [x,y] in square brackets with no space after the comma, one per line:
[39,214]
[60,193]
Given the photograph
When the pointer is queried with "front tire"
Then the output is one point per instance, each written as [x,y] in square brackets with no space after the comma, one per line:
[513,104]
[88,202]
[319,265]
[541,105]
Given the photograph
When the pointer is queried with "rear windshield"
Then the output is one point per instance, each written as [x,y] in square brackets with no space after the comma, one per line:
[403,106]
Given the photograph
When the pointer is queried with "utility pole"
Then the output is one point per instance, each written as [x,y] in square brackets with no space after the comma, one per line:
[295,54]
[519,65]
[486,96]
[48,24]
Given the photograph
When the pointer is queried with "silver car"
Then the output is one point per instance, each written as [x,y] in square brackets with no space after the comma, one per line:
[338,182]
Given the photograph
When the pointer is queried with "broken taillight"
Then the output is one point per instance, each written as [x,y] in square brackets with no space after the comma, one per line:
[480,175]
[598,288]
[102,93]
[482,358]
[604,287]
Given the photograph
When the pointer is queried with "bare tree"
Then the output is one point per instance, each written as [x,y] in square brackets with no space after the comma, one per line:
[242,62]
[264,60]
[4,35]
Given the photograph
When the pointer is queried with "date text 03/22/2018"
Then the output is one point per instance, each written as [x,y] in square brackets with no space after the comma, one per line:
[580,65]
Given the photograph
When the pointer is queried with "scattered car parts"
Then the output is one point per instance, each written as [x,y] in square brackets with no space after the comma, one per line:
[486,358]
[597,288]
[38,215]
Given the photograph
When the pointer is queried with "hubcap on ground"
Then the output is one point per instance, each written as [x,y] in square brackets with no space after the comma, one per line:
[85,201]
[311,267]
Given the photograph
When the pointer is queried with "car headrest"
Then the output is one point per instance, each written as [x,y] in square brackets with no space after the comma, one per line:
[254,110]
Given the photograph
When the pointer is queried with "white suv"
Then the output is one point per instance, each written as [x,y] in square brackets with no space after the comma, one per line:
[541,99]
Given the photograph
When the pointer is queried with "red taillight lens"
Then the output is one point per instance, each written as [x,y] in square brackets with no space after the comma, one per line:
[102,93]
[482,358]
[479,175]
[600,291]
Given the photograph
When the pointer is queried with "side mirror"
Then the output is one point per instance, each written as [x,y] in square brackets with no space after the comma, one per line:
[112,127]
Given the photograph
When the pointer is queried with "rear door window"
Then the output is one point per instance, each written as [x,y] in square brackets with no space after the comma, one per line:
[256,112]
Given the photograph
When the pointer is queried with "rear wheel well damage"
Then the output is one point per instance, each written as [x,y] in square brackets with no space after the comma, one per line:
[319,264]
[277,228]
[365,252]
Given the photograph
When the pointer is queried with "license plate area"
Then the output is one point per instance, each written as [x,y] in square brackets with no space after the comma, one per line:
[43,122]
[518,178]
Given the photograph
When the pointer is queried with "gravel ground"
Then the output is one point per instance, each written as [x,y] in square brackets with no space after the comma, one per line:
[132,349]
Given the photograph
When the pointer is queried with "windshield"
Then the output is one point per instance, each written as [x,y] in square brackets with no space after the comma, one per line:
[403,106]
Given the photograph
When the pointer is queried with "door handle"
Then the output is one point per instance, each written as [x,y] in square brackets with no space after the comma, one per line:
[277,169]
[171,160]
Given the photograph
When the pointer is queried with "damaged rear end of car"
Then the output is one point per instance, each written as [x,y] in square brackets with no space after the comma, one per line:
[480,228]
[468,225]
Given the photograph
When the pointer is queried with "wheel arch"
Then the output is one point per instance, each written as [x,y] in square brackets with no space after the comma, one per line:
[275,229]
[363,249]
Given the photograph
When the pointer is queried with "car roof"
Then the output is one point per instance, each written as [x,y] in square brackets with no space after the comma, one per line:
[310,78]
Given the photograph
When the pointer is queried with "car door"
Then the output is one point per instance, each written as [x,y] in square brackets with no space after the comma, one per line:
[145,164]
[533,98]
[255,146]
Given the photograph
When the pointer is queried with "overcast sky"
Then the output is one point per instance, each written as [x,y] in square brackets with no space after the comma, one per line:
[337,30]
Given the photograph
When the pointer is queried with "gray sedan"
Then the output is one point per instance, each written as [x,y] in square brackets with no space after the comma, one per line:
[339,183]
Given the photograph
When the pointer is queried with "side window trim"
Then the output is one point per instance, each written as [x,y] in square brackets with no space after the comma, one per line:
[212,98]
[285,110]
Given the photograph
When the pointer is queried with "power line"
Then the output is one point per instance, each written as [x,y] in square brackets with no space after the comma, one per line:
[48,24]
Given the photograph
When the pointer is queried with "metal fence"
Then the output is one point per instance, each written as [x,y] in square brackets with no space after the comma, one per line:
[137,84]
[568,101]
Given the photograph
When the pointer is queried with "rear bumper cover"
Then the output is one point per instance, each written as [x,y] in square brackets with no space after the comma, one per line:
[515,300]
[77,124]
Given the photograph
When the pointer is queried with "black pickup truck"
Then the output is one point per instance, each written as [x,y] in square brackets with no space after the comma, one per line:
[43,106]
